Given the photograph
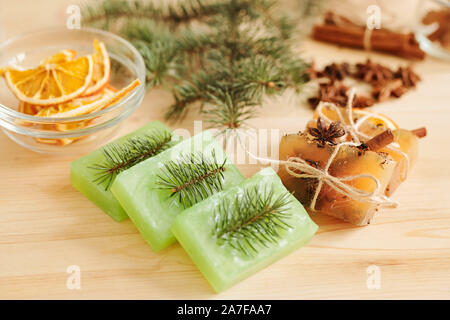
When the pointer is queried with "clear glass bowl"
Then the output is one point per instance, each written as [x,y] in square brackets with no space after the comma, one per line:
[433,27]
[38,133]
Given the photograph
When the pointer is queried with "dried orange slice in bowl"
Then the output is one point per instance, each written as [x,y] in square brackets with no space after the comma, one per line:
[90,104]
[89,99]
[84,104]
[28,108]
[77,107]
[51,83]
[102,68]
[61,56]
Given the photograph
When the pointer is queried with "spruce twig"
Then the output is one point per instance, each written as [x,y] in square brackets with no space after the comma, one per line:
[254,219]
[223,55]
[118,158]
[193,177]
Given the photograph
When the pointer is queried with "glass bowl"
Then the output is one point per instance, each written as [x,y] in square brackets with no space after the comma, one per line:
[83,132]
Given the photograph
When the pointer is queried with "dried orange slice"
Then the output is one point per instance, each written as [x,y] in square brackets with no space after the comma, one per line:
[72,126]
[28,108]
[111,87]
[90,103]
[373,119]
[102,68]
[74,108]
[376,119]
[51,83]
[61,56]
[57,142]
[46,111]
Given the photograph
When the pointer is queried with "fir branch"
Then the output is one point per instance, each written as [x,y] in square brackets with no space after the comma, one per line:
[118,158]
[159,48]
[112,11]
[254,219]
[309,10]
[230,108]
[237,52]
[193,177]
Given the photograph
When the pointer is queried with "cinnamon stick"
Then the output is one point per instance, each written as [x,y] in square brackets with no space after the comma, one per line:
[420,132]
[343,32]
[380,140]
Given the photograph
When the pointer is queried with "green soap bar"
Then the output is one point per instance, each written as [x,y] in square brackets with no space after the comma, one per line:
[83,177]
[153,208]
[223,264]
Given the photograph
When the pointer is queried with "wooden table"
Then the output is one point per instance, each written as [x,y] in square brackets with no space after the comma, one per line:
[46,225]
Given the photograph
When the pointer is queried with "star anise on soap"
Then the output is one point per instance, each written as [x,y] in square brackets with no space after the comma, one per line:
[373,73]
[324,134]
[408,76]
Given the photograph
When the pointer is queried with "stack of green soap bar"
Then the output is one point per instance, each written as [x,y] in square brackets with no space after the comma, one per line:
[151,205]
[83,177]
[224,263]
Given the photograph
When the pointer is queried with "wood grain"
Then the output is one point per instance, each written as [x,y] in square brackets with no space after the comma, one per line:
[46,225]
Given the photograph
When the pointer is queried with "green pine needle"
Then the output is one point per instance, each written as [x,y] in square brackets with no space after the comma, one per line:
[118,158]
[254,219]
[221,55]
[193,177]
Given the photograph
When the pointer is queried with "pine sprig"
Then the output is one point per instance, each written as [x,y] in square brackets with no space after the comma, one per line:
[222,54]
[228,112]
[254,219]
[193,177]
[113,10]
[118,158]
[109,12]
[159,48]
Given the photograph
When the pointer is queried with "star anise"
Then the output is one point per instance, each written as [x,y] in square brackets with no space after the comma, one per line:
[362,101]
[408,76]
[335,71]
[323,134]
[373,73]
[393,88]
[385,82]
[330,92]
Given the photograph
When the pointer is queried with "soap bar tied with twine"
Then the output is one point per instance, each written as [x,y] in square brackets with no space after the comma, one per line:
[345,133]
[300,168]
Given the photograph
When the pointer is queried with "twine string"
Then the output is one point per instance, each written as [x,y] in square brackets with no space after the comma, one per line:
[353,128]
[367,39]
[299,168]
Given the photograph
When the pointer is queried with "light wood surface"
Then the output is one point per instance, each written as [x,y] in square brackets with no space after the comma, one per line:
[46,225]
